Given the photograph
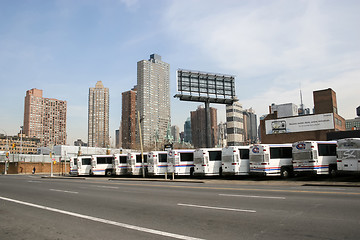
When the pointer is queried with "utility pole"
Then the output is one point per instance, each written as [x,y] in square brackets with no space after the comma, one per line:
[141,146]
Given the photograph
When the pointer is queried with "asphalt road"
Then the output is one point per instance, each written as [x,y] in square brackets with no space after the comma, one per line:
[32,207]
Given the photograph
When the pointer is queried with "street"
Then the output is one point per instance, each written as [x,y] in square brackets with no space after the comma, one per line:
[32,207]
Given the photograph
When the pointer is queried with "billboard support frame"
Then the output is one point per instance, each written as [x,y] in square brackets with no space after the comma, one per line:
[207,88]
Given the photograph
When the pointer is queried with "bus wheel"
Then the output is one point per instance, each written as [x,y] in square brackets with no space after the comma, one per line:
[191,171]
[220,172]
[91,173]
[332,171]
[108,173]
[285,173]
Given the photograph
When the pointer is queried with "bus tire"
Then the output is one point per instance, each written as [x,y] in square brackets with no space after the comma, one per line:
[220,171]
[332,171]
[191,172]
[285,173]
[91,173]
[108,173]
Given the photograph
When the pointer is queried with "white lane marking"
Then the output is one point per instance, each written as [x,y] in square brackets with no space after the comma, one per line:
[124,225]
[107,187]
[217,208]
[251,196]
[57,190]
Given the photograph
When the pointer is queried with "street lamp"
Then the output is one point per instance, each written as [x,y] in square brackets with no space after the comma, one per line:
[7,150]
[21,135]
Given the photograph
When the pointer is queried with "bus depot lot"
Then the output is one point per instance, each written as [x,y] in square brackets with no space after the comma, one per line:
[32,207]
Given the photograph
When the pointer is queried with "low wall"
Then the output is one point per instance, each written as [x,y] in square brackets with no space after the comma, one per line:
[40,167]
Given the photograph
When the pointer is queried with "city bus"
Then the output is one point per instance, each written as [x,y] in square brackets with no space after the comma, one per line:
[101,165]
[271,160]
[134,164]
[120,165]
[181,161]
[235,160]
[348,155]
[84,165]
[207,162]
[317,157]
[73,166]
[157,163]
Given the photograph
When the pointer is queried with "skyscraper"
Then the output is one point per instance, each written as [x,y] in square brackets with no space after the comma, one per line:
[187,131]
[128,119]
[45,118]
[153,100]
[198,127]
[98,116]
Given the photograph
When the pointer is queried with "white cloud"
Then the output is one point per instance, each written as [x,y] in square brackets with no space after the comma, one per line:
[273,47]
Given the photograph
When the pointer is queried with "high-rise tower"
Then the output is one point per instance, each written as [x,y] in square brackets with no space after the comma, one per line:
[128,119]
[45,118]
[98,116]
[153,100]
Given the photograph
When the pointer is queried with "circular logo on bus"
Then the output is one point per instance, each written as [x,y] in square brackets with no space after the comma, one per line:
[255,150]
[170,153]
[301,146]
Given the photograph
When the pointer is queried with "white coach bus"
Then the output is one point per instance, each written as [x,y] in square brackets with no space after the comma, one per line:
[134,164]
[73,166]
[101,165]
[207,162]
[271,159]
[181,161]
[318,157]
[84,165]
[120,165]
[348,155]
[157,163]
[235,160]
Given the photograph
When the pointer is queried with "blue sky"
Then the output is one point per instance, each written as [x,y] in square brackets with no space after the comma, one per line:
[272,47]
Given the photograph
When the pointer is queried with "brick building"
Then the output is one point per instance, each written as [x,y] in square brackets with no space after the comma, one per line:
[305,127]
[128,119]
[44,118]
[198,127]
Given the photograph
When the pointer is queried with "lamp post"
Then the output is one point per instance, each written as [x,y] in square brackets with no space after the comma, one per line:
[7,150]
[21,135]
[141,146]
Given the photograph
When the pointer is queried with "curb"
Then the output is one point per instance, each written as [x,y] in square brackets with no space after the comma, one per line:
[154,180]
[57,177]
[330,185]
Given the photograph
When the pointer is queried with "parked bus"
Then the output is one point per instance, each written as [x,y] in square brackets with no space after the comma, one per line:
[120,165]
[134,164]
[157,163]
[348,155]
[271,160]
[235,160]
[84,165]
[73,166]
[318,157]
[181,161]
[101,165]
[207,162]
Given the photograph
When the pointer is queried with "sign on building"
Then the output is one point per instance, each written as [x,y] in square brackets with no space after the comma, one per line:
[300,124]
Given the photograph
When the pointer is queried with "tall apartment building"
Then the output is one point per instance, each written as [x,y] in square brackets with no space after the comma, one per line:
[175,133]
[153,100]
[198,127]
[250,126]
[45,118]
[98,116]
[235,124]
[128,119]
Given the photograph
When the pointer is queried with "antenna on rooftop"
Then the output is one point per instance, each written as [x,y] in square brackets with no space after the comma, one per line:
[301,109]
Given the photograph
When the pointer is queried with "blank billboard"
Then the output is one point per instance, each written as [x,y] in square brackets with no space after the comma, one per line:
[195,83]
